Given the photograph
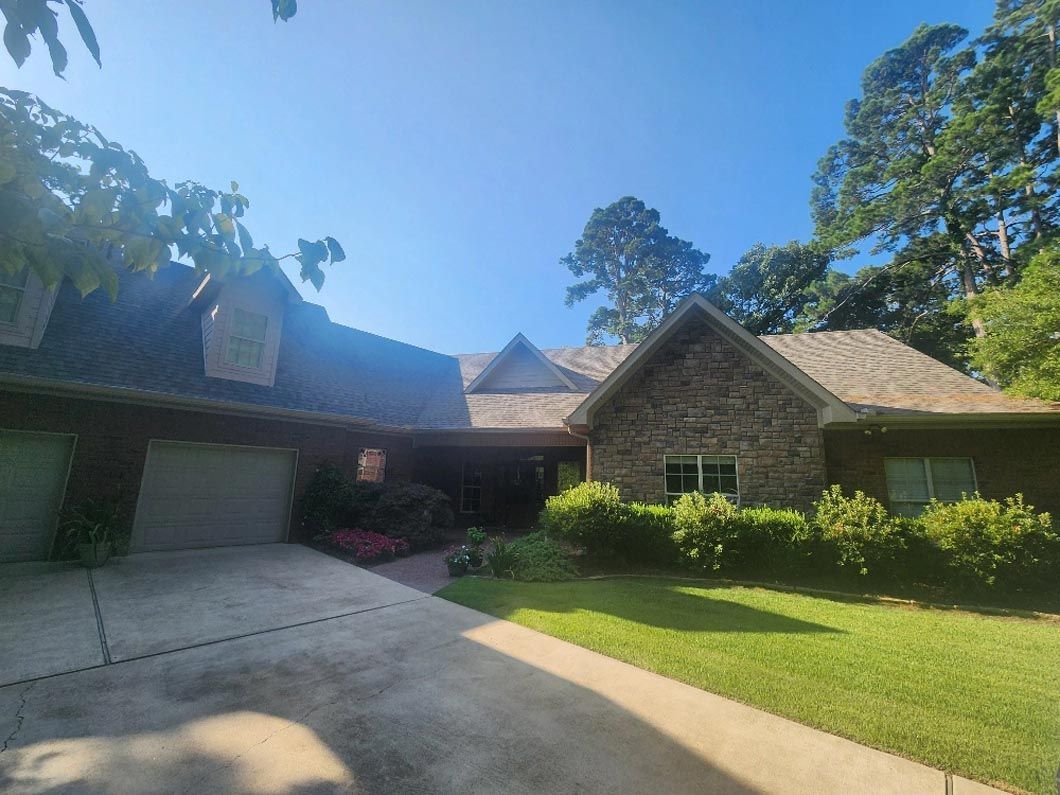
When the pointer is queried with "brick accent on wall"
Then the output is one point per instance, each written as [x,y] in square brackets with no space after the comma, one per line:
[1007,460]
[112,441]
[699,394]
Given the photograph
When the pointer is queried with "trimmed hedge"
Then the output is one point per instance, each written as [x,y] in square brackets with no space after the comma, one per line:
[537,558]
[970,545]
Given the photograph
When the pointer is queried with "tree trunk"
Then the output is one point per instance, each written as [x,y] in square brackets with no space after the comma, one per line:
[1002,237]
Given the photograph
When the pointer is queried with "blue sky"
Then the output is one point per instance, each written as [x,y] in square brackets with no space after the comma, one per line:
[456,149]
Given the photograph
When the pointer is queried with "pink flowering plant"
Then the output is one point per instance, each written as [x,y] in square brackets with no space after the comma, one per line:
[366,546]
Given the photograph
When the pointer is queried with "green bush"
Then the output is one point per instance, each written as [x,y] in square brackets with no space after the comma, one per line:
[705,531]
[537,558]
[992,545]
[412,511]
[327,500]
[857,534]
[771,540]
[590,515]
[500,559]
[646,534]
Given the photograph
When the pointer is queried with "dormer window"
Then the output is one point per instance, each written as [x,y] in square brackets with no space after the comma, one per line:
[241,327]
[25,306]
[12,291]
[246,343]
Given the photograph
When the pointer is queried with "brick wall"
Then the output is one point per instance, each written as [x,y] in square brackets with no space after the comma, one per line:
[699,394]
[1010,460]
[112,441]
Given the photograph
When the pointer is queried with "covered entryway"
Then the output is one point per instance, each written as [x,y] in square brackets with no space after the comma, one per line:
[33,472]
[207,495]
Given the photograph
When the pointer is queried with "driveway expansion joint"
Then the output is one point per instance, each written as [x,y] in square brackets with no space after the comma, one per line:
[99,619]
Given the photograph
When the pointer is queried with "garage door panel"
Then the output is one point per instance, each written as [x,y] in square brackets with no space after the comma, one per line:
[210,495]
[33,469]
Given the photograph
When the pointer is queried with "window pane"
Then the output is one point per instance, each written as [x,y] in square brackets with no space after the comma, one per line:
[245,353]
[906,479]
[14,279]
[907,508]
[673,484]
[727,485]
[249,325]
[952,477]
[10,300]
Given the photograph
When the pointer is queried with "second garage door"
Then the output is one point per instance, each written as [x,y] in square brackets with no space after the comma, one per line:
[204,495]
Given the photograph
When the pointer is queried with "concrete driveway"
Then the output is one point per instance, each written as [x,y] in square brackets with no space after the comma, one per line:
[280,670]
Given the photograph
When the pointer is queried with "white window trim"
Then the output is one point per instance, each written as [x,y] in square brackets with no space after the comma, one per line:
[264,343]
[699,465]
[13,323]
[464,486]
[930,477]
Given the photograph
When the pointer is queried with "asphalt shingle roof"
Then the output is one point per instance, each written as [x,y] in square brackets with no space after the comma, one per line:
[150,340]
[871,371]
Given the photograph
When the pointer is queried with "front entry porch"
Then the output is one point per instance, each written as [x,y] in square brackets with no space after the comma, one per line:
[500,486]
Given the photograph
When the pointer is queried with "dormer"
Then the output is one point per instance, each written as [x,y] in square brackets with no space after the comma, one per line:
[521,366]
[242,321]
[25,306]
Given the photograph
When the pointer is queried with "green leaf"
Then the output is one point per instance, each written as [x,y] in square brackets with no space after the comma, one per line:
[225,225]
[7,171]
[17,43]
[246,242]
[97,203]
[337,254]
[235,187]
[88,36]
[284,9]
[311,254]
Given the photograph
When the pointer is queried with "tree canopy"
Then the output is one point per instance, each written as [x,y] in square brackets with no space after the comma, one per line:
[1021,350]
[72,202]
[644,271]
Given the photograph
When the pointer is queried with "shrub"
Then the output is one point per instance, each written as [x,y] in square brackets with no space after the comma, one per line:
[989,544]
[411,511]
[857,533]
[704,531]
[366,546]
[501,559]
[537,558]
[327,500]
[771,539]
[646,534]
[589,515]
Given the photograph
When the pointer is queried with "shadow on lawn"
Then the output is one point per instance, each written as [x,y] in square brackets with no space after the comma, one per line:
[666,607]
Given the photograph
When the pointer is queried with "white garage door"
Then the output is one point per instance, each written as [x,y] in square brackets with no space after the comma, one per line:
[33,470]
[205,495]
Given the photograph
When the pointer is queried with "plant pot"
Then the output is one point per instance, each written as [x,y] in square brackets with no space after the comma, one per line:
[474,558]
[456,569]
[94,555]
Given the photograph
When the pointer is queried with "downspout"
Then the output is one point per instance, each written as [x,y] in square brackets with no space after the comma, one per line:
[588,450]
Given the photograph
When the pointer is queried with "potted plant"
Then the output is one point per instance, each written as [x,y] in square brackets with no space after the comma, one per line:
[93,529]
[456,560]
[476,537]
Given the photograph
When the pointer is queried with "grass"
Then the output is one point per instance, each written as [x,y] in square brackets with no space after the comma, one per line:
[972,694]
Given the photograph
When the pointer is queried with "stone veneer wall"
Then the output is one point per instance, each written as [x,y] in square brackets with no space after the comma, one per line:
[699,394]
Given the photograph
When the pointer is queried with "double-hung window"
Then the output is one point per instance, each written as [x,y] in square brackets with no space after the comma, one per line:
[913,482]
[246,338]
[12,289]
[703,473]
[471,488]
[371,465]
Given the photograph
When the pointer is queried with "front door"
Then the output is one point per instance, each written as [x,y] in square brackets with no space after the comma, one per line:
[524,491]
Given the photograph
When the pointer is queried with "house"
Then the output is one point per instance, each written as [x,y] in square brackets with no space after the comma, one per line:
[206,406]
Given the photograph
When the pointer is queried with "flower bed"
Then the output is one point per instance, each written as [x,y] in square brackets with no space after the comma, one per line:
[366,546]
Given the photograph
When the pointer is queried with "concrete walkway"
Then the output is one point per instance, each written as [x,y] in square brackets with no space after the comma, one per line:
[406,693]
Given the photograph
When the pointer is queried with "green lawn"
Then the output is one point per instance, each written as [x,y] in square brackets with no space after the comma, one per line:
[972,694]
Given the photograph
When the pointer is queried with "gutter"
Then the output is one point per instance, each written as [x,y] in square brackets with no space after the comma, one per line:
[32,384]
